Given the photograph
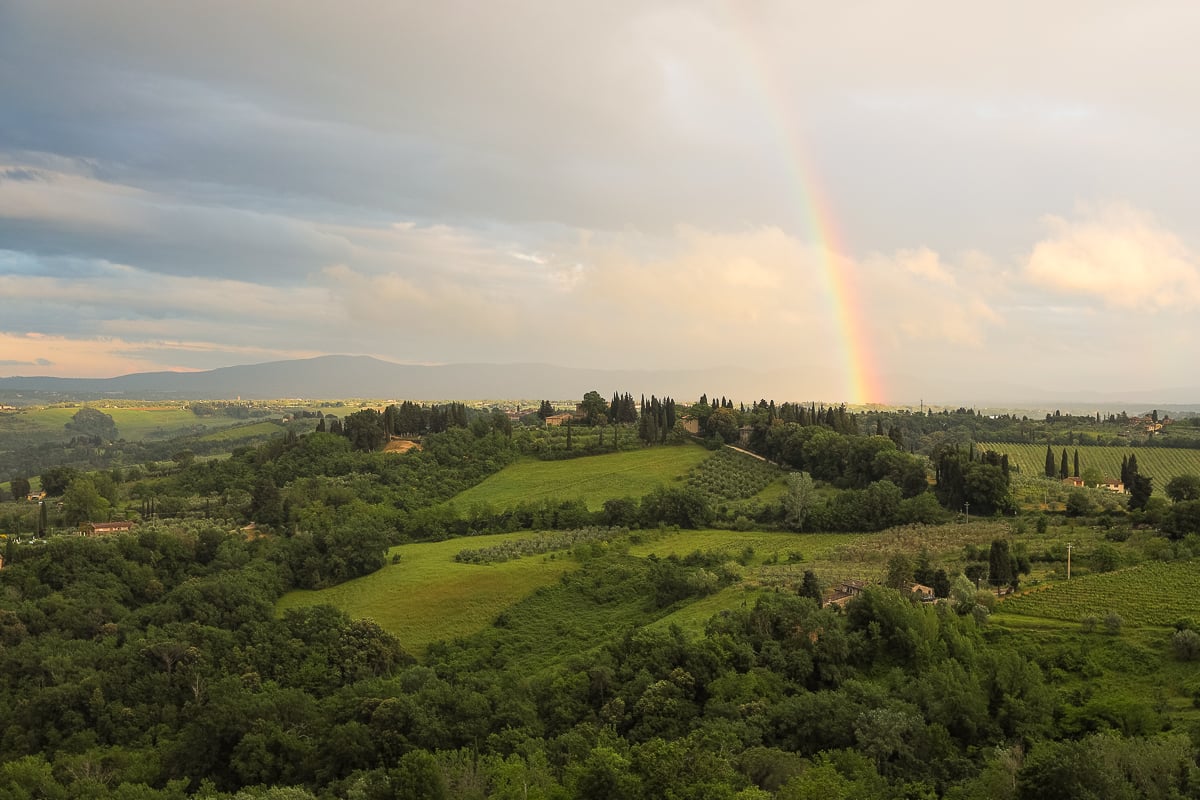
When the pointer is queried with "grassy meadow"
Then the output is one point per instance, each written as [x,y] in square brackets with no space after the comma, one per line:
[592,478]
[428,596]
[244,431]
[133,423]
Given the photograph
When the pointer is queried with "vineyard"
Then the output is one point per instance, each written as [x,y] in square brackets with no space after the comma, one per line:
[1160,463]
[1155,593]
[537,544]
[730,475]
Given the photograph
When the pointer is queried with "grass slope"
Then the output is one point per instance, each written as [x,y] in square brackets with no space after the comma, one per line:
[592,478]
[428,596]
[1161,463]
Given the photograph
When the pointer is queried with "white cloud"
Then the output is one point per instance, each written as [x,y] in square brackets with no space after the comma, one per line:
[1118,256]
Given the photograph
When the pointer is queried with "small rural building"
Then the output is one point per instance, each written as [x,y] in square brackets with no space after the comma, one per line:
[846,591]
[34,497]
[744,434]
[554,420]
[692,426]
[925,593]
[1074,480]
[105,528]
[1112,486]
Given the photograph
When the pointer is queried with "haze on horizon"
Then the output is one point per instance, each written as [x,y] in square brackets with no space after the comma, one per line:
[859,198]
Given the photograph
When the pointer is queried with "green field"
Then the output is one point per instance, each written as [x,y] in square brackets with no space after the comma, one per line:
[428,596]
[133,423]
[1155,593]
[592,478]
[764,544]
[1161,463]
[244,431]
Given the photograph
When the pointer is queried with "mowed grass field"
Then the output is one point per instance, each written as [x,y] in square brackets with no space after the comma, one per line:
[592,478]
[429,596]
[1155,594]
[1161,463]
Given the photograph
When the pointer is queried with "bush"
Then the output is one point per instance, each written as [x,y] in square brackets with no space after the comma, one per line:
[1186,644]
[1113,623]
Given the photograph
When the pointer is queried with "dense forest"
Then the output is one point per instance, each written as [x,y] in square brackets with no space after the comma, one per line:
[155,664]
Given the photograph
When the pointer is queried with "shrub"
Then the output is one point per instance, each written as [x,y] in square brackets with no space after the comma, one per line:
[1186,644]
[1113,623]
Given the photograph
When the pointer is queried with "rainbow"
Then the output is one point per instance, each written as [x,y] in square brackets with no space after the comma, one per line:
[863,382]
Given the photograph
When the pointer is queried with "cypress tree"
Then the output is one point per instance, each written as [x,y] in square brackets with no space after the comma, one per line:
[1062,470]
[1076,463]
[1049,462]
[1000,571]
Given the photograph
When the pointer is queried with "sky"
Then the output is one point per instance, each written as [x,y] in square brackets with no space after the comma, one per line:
[866,201]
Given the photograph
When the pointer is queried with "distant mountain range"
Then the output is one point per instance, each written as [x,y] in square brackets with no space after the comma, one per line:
[329,377]
[339,376]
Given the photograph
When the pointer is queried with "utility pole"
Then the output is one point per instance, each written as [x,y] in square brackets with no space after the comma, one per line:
[1068,561]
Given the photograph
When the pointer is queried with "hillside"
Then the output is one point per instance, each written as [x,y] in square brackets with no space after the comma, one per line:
[593,479]
[362,376]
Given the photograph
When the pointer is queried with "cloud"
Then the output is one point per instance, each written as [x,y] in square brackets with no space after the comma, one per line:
[1118,256]
[37,362]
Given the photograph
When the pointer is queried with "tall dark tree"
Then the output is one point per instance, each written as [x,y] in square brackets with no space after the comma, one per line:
[1140,489]
[1062,469]
[365,430]
[93,422]
[593,406]
[1000,566]
[1076,473]
[545,409]
[1050,471]
[56,480]
[20,488]
[811,587]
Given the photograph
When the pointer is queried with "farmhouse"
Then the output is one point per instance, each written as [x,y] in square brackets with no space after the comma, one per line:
[104,528]
[923,593]
[34,497]
[1112,485]
[1074,480]
[554,420]
[846,591]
